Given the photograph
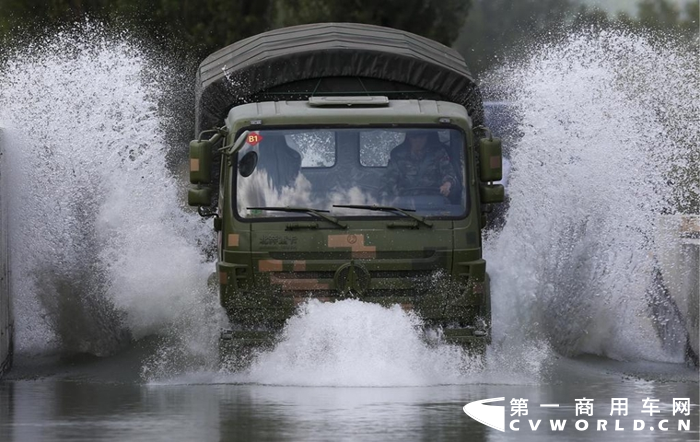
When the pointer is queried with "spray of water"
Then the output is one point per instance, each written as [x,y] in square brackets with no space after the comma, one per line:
[102,249]
[357,344]
[606,120]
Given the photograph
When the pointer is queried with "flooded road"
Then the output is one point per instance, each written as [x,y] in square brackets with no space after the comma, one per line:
[105,256]
[105,400]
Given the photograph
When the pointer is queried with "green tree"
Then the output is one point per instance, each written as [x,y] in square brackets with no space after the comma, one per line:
[439,20]
[201,27]
[48,12]
[657,16]
[663,15]
[15,15]
[197,27]
[496,29]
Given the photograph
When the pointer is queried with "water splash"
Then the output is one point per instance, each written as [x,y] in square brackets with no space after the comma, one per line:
[352,343]
[606,120]
[102,248]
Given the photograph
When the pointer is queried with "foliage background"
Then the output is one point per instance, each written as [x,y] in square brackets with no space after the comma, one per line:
[486,32]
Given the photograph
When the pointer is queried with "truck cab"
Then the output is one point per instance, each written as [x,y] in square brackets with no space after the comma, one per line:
[373,193]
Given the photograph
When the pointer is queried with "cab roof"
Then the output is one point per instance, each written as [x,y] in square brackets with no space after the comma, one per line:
[302,112]
[332,59]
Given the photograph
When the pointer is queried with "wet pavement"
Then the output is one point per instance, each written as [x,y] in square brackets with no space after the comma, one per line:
[106,400]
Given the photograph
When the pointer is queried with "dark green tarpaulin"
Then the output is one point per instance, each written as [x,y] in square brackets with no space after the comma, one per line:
[241,72]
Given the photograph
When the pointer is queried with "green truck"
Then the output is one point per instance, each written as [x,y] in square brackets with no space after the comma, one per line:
[345,161]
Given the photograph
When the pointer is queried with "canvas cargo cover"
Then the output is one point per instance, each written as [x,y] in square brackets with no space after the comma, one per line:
[241,72]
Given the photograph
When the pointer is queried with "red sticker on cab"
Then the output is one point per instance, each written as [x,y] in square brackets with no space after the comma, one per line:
[254,139]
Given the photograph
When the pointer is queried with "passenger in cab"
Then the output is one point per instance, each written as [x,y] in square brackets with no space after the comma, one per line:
[420,166]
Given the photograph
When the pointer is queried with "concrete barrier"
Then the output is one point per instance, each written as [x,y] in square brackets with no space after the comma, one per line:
[6,320]
[678,257]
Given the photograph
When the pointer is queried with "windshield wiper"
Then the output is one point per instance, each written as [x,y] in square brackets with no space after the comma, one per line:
[318,212]
[405,212]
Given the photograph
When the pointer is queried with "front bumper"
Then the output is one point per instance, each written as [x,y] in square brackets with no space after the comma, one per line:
[468,337]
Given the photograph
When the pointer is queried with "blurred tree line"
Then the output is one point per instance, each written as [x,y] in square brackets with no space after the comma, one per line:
[484,31]
[496,30]
[200,27]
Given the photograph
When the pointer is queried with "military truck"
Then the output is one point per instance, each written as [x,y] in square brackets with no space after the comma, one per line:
[345,161]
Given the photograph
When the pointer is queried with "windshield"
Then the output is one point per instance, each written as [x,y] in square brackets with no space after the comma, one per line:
[418,170]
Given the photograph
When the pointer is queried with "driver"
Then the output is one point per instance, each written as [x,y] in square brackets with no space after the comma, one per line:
[420,165]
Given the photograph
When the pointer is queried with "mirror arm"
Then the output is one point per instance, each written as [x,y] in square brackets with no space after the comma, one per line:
[485,130]
[231,149]
[219,133]
[207,212]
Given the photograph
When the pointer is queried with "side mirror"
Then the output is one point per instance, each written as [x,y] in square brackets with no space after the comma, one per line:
[200,161]
[247,164]
[490,159]
[199,196]
[492,193]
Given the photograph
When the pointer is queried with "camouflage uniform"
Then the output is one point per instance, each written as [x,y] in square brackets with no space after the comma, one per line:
[406,171]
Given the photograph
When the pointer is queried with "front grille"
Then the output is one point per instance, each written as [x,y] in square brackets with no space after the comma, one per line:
[304,275]
[409,275]
[343,255]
